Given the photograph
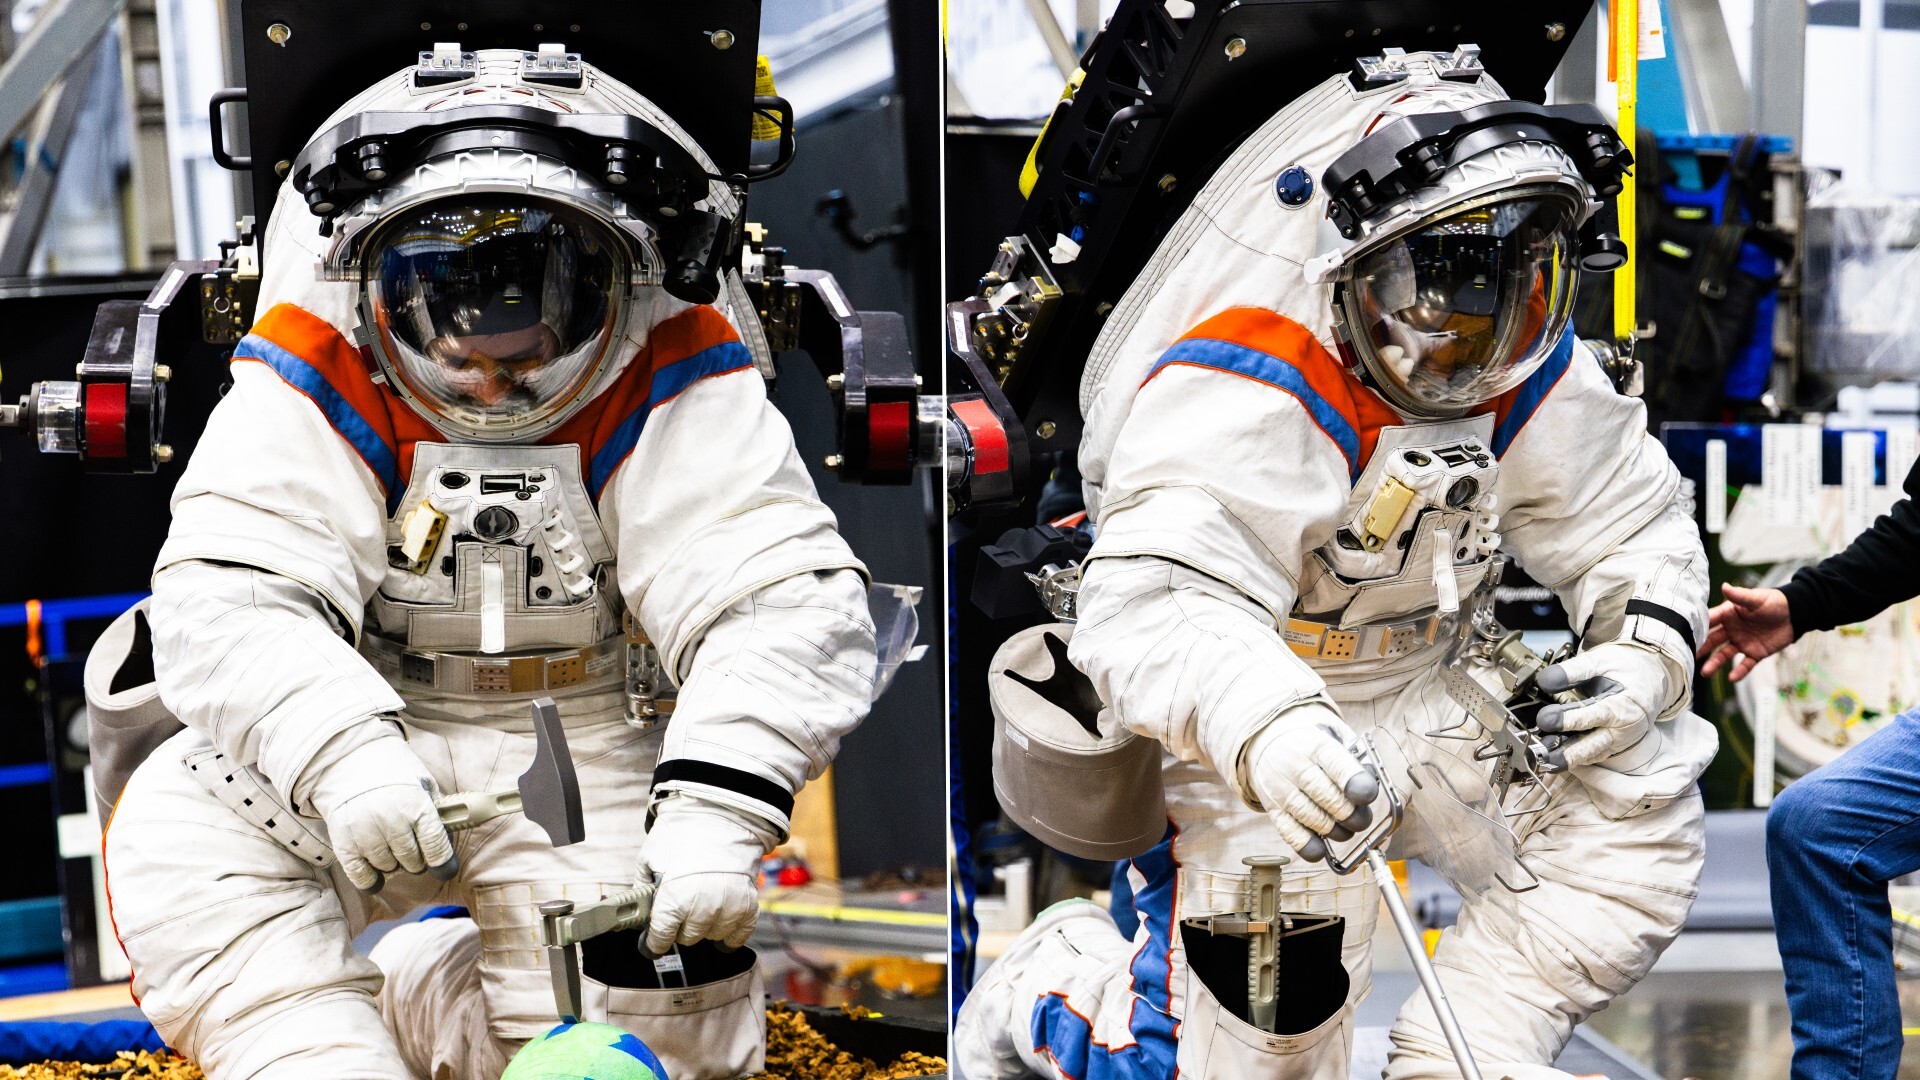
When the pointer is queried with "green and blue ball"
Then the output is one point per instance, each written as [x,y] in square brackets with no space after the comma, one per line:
[585,1051]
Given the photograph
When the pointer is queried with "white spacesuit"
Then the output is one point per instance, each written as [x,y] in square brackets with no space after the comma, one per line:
[474,454]
[1302,453]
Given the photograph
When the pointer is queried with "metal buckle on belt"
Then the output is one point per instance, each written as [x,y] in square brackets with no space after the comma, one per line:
[1313,640]
[528,674]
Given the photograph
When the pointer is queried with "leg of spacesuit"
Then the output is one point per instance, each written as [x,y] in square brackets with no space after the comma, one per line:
[1060,1003]
[1523,969]
[242,952]
[433,1003]
[1073,998]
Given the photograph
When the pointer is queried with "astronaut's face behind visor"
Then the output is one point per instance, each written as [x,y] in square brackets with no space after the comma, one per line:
[495,311]
[1462,308]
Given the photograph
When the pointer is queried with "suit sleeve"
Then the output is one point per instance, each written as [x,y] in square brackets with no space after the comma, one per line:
[1218,487]
[738,572]
[1592,508]
[276,544]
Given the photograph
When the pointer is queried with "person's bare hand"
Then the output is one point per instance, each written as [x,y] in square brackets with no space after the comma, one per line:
[1752,625]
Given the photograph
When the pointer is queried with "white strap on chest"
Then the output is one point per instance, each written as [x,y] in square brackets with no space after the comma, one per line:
[493,607]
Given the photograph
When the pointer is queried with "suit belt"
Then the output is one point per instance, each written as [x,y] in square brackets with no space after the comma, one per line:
[1374,641]
[599,666]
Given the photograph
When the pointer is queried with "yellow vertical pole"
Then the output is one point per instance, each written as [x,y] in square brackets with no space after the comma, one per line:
[1624,65]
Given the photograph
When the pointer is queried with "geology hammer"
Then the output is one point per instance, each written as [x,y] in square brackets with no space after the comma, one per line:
[548,793]
[563,925]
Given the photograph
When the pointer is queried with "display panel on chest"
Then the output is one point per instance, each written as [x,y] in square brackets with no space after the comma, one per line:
[495,548]
[1422,510]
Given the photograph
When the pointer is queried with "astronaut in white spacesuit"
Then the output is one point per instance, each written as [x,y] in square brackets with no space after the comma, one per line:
[1308,436]
[475,453]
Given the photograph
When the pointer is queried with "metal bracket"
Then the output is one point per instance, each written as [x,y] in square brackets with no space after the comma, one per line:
[1625,370]
[445,63]
[552,64]
[650,694]
[112,415]
[1521,755]
[886,428]
[1059,588]
[1389,66]
[230,292]
[776,300]
[987,456]
[1020,294]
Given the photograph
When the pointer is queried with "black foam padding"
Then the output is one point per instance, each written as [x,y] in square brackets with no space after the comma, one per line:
[615,959]
[137,668]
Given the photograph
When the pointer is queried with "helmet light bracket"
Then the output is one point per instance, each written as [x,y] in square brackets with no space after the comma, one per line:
[625,152]
[1414,151]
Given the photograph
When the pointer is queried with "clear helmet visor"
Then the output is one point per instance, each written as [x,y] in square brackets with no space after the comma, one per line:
[1464,307]
[495,313]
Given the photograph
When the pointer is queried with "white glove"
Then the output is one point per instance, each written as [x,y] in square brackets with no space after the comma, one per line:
[704,862]
[377,801]
[1299,770]
[1627,688]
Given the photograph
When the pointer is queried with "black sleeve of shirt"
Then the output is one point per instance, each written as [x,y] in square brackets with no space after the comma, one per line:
[1879,569]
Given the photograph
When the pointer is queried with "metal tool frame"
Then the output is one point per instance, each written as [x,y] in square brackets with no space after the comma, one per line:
[1521,754]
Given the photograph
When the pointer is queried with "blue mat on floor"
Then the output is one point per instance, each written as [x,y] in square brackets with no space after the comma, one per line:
[29,1041]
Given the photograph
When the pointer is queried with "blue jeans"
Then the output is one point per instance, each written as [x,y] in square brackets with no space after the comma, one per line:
[1834,840]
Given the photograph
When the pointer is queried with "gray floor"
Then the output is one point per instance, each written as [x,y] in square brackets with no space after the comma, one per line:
[1590,1053]
[1709,1025]
[1716,1026]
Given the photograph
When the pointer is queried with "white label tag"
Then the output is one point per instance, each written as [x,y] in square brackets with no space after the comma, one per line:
[1903,445]
[670,964]
[1653,34]
[1715,486]
[493,606]
[1790,471]
[1763,748]
[1446,588]
[1856,481]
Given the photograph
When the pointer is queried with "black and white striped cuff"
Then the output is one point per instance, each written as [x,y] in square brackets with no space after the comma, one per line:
[727,786]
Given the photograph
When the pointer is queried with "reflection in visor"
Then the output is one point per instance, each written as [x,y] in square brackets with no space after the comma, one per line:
[1457,312]
[495,311]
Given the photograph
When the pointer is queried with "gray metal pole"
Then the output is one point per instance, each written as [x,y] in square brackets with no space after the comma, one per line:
[1780,67]
[65,33]
[1423,967]
[1717,101]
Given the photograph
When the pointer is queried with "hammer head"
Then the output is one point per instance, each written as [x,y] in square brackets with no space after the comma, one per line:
[549,789]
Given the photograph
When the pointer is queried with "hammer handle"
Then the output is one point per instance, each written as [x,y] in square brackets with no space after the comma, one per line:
[465,809]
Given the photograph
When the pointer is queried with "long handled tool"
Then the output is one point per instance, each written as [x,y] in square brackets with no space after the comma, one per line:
[548,793]
[1422,966]
[1369,845]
